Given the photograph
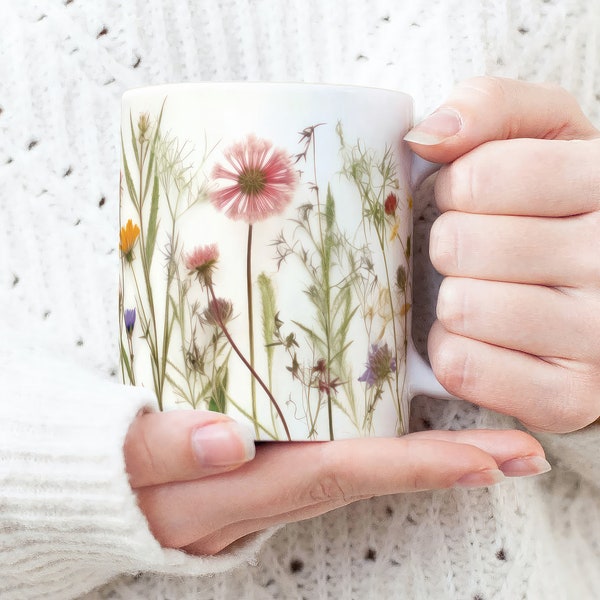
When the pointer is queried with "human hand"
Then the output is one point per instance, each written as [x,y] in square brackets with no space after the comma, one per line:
[518,313]
[201,491]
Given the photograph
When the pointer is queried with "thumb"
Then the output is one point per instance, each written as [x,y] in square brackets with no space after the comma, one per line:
[183,445]
[491,108]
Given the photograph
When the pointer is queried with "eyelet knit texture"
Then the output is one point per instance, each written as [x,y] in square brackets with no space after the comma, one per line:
[68,520]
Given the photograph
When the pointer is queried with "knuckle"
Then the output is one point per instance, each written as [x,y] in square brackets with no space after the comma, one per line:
[456,185]
[451,305]
[590,224]
[155,464]
[565,98]
[571,117]
[487,91]
[416,478]
[572,402]
[443,244]
[592,176]
[585,400]
[490,87]
[330,484]
[453,366]
[143,464]
[325,489]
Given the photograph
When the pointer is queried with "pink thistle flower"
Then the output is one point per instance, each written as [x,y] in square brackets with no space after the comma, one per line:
[218,312]
[202,262]
[380,365]
[261,181]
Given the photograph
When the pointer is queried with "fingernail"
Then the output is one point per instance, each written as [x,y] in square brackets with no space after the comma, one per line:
[480,479]
[525,467]
[437,127]
[223,444]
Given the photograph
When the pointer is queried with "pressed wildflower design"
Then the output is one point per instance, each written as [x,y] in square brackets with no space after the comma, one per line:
[324,253]
[338,273]
[257,181]
[128,237]
[380,369]
[129,318]
[201,263]
[129,322]
[391,204]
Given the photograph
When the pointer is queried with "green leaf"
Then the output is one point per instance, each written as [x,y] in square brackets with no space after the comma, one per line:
[401,279]
[269,311]
[339,356]
[310,333]
[218,401]
[179,391]
[130,186]
[150,171]
[329,210]
[407,251]
[152,223]
[134,142]
[125,362]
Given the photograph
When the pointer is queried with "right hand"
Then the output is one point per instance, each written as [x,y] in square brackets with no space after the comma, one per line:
[202,493]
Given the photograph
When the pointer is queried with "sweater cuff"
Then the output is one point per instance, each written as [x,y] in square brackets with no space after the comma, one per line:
[69,520]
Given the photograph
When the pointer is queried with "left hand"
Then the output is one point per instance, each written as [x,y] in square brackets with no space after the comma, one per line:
[518,327]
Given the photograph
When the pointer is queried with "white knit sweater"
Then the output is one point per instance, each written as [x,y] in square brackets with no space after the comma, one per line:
[68,519]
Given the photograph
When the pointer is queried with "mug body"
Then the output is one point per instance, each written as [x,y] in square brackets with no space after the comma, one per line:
[265,252]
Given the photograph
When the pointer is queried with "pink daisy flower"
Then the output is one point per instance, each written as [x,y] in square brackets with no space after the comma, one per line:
[261,181]
[202,261]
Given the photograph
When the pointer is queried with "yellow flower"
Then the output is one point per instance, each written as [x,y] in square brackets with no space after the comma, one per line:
[129,235]
[394,231]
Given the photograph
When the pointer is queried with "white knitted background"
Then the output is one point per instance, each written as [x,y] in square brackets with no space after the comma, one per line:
[63,67]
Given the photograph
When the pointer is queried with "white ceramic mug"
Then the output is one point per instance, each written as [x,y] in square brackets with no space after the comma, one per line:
[266,246]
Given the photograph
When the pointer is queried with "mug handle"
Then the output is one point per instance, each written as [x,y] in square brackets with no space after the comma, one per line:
[421,379]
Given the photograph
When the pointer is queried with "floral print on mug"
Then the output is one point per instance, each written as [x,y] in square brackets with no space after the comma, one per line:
[188,338]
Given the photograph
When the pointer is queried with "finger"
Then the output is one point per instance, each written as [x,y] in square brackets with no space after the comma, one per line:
[289,477]
[490,108]
[543,396]
[530,318]
[183,445]
[236,532]
[507,447]
[552,178]
[537,250]
[502,445]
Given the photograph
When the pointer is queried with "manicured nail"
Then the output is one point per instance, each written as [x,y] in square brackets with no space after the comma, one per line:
[437,127]
[223,444]
[480,479]
[525,467]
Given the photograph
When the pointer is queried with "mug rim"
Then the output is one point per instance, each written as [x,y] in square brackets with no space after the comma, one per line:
[289,85]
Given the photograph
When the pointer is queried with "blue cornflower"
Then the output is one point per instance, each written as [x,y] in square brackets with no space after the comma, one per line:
[129,318]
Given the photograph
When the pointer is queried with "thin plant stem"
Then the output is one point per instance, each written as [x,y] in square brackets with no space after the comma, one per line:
[159,381]
[255,375]
[326,285]
[251,322]
[131,358]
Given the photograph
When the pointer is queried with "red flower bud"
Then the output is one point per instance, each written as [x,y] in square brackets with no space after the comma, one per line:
[391,202]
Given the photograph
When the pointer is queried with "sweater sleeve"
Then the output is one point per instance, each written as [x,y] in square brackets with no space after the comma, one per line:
[68,517]
[578,452]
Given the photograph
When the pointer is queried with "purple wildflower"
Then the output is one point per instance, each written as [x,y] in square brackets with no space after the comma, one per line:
[129,318]
[380,364]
